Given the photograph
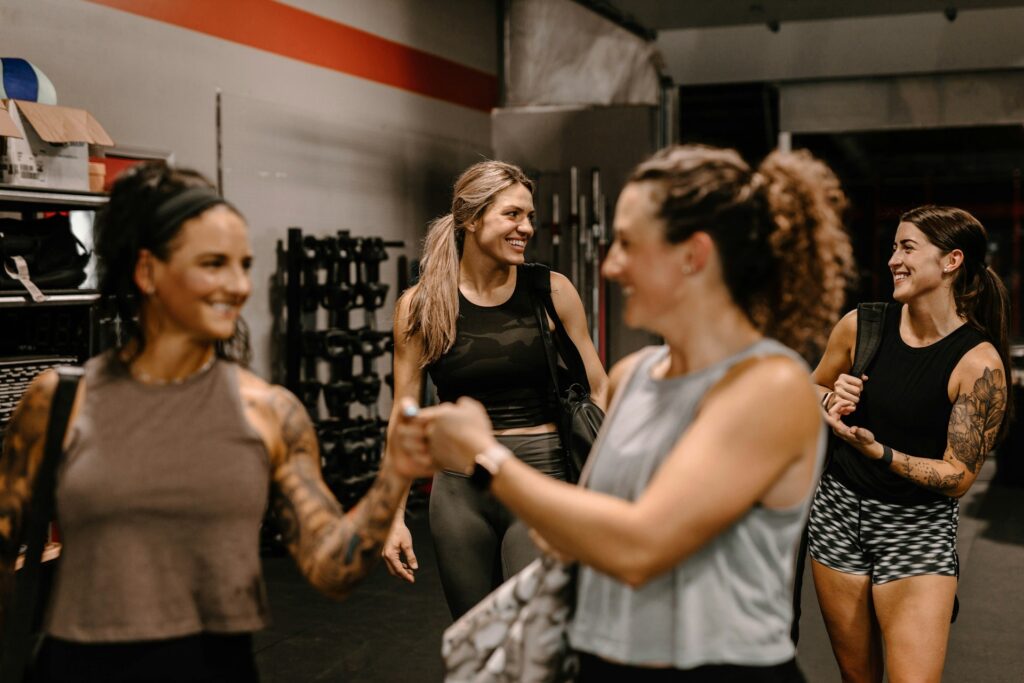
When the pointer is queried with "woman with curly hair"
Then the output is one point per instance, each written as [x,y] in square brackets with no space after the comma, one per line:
[687,529]
[914,430]
[171,451]
[469,323]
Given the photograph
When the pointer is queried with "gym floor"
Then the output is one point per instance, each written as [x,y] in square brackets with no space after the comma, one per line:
[388,631]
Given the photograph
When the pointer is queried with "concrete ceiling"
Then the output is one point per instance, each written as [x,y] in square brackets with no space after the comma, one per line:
[662,15]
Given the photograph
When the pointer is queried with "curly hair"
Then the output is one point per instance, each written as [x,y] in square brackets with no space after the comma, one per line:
[785,254]
[124,227]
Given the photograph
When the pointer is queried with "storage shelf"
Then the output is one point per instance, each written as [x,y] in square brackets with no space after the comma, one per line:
[67,297]
[13,196]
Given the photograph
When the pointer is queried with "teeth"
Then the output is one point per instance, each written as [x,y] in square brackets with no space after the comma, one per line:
[224,308]
[518,243]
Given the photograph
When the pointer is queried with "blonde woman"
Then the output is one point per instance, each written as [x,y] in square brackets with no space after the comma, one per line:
[470,324]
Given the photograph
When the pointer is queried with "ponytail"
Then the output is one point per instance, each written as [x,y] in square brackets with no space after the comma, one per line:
[434,301]
[982,299]
[811,249]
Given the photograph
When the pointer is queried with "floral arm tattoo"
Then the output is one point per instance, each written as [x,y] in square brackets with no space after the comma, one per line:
[973,426]
[22,453]
[334,550]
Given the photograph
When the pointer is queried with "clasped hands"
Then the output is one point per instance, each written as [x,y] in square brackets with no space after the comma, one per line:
[450,435]
[844,400]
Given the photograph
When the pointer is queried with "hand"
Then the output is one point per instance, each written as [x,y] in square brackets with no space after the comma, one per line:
[457,432]
[858,437]
[397,545]
[846,393]
[408,451]
[548,549]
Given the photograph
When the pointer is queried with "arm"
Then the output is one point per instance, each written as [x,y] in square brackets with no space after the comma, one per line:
[837,360]
[978,412]
[24,442]
[333,549]
[731,458]
[408,383]
[570,310]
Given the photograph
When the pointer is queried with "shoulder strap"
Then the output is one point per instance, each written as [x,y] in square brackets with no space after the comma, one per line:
[17,646]
[870,323]
[537,296]
[561,343]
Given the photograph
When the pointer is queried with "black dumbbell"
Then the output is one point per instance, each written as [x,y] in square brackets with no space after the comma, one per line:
[338,395]
[330,344]
[309,394]
[367,388]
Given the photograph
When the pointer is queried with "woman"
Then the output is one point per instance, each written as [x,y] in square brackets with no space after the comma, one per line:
[915,431]
[687,529]
[470,324]
[170,454]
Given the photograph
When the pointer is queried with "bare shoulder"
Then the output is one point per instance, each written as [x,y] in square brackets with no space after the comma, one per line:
[276,414]
[980,364]
[561,286]
[845,330]
[33,409]
[785,380]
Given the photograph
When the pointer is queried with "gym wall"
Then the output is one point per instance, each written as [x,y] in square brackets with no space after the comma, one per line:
[303,144]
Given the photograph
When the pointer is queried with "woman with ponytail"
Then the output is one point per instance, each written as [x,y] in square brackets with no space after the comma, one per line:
[470,324]
[915,430]
[686,532]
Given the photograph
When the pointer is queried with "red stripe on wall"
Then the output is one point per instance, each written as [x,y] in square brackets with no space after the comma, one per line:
[292,32]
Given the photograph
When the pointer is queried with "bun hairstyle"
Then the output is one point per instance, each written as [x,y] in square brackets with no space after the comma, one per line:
[979,294]
[434,301]
[145,211]
[785,255]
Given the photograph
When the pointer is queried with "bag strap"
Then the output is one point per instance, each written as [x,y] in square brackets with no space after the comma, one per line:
[17,646]
[870,323]
[561,343]
[536,273]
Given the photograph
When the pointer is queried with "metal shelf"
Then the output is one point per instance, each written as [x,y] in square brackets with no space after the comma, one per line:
[15,299]
[11,195]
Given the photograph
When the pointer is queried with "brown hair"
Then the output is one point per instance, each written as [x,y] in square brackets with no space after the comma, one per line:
[978,293]
[434,301]
[785,255]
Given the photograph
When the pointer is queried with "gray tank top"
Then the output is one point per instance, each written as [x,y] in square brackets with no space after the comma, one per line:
[159,501]
[729,603]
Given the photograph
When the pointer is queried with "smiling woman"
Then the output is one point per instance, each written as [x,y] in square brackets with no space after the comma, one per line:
[470,324]
[170,454]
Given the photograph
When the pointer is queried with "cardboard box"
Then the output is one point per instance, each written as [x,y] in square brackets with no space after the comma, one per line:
[52,148]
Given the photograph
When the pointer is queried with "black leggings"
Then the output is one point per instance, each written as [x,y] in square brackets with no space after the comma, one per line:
[479,542]
[595,669]
[200,658]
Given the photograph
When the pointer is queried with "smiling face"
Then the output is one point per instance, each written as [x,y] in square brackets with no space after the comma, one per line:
[199,290]
[650,270]
[919,267]
[506,226]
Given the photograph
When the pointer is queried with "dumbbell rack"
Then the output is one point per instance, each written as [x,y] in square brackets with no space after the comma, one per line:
[332,280]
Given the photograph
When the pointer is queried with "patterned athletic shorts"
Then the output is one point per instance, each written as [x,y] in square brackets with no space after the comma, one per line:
[857,535]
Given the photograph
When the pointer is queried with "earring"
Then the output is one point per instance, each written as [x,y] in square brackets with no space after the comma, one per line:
[687,269]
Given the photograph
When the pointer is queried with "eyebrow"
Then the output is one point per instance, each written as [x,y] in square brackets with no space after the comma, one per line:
[517,207]
[905,242]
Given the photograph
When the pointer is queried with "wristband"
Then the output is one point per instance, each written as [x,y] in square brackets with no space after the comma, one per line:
[886,458]
[825,399]
[487,465]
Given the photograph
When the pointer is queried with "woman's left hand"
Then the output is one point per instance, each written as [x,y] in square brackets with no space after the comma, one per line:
[457,432]
[858,437]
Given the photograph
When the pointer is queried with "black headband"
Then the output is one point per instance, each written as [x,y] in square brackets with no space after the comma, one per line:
[187,204]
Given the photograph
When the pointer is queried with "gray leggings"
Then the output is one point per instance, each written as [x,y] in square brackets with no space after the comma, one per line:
[479,542]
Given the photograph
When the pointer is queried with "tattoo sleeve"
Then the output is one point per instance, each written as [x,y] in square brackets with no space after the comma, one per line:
[973,426]
[334,550]
[22,452]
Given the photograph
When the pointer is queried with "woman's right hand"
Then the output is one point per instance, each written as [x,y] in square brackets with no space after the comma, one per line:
[846,394]
[397,546]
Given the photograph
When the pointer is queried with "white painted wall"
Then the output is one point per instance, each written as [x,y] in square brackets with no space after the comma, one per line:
[303,145]
[896,44]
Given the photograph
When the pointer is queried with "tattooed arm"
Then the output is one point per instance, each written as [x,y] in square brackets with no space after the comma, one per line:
[979,408]
[333,549]
[22,452]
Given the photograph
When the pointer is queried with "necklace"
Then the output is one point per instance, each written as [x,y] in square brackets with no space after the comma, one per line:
[149,379]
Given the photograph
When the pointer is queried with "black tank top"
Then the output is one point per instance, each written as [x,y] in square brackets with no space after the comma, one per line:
[498,359]
[905,404]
